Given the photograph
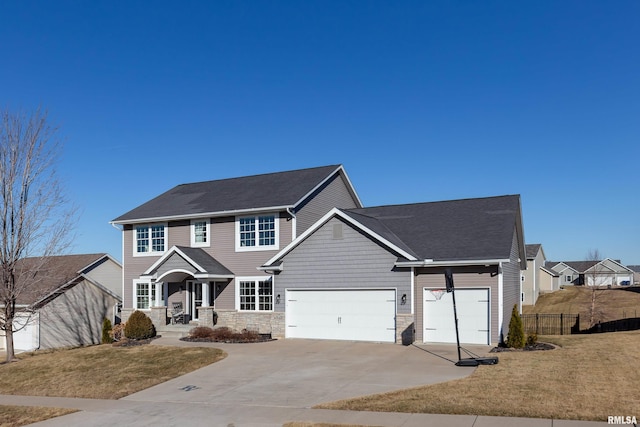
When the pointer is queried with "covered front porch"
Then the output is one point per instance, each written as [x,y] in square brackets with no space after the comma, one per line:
[184,285]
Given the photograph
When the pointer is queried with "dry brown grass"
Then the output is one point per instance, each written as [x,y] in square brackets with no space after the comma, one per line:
[15,416]
[589,378]
[616,303]
[101,372]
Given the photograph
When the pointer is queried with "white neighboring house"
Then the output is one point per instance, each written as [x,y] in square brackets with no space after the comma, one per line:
[532,285]
[67,307]
[607,272]
[636,274]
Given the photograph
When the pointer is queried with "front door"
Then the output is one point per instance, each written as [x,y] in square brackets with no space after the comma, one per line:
[194,292]
[195,295]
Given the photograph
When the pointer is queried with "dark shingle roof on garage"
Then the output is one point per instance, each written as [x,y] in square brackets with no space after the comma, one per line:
[467,229]
[532,250]
[280,189]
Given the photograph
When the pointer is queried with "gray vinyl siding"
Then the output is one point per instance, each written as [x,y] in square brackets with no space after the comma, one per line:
[511,284]
[109,275]
[463,277]
[353,261]
[333,194]
[222,248]
[75,317]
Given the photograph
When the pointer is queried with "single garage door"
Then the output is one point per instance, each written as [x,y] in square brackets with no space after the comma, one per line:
[26,335]
[354,315]
[473,316]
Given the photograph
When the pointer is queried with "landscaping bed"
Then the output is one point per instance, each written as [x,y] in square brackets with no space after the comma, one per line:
[225,335]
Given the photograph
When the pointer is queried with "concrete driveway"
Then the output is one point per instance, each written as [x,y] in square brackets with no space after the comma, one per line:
[269,384]
[303,373]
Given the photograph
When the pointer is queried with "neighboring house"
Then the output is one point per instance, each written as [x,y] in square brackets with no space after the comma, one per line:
[549,279]
[531,280]
[200,245]
[636,273]
[377,274]
[606,272]
[70,297]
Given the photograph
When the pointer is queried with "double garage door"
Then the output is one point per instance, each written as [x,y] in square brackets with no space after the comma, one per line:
[354,315]
[472,306]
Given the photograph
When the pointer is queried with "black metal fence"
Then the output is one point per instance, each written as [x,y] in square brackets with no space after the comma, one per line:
[628,324]
[551,324]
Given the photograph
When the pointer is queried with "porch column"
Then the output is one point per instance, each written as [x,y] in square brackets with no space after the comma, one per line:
[159,286]
[205,294]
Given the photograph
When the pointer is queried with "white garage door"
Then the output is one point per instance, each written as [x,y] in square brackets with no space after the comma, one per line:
[354,315]
[26,335]
[473,316]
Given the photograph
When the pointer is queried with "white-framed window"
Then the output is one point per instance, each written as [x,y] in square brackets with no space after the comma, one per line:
[144,294]
[568,278]
[200,232]
[254,293]
[257,232]
[149,239]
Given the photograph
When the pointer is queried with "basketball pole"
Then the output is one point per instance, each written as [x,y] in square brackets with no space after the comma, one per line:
[450,288]
[475,360]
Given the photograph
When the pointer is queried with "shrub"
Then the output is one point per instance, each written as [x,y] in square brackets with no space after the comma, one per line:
[117,332]
[515,339]
[532,339]
[201,332]
[106,331]
[139,327]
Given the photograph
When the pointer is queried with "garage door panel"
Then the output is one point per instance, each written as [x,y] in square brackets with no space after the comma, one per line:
[358,315]
[473,317]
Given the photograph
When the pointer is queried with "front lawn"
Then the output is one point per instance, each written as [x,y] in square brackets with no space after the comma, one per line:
[13,416]
[101,372]
[589,378]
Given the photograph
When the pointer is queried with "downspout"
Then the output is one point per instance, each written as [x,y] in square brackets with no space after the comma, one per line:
[293,224]
[121,229]
[500,303]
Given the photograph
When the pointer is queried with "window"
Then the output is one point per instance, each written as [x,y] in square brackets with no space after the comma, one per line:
[255,294]
[144,295]
[254,233]
[150,239]
[200,232]
[567,278]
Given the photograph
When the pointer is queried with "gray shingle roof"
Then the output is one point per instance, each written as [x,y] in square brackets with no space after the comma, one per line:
[46,274]
[468,229]
[206,261]
[233,194]
[635,268]
[532,250]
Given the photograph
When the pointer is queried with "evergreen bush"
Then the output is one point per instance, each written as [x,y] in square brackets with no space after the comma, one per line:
[515,339]
[106,331]
[139,327]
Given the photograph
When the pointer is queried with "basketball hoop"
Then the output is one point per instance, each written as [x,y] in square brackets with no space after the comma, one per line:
[438,293]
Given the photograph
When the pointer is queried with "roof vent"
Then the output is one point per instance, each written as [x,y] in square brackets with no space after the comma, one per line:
[337,231]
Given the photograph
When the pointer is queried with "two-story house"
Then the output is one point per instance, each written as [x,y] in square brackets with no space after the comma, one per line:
[201,244]
[296,255]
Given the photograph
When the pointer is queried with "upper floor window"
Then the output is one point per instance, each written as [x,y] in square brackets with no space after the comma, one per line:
[258,232]
[200,232]
[568,278]
[150,239]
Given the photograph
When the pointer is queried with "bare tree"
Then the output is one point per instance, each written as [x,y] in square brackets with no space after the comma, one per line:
[35,217]
[595,279]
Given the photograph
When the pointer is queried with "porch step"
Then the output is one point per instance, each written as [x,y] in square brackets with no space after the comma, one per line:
[174,331]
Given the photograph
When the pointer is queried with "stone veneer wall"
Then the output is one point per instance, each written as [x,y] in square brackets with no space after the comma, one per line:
[405,329]
[264,323]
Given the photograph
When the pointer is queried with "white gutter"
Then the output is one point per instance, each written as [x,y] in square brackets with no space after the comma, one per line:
[200,215]
[445,263]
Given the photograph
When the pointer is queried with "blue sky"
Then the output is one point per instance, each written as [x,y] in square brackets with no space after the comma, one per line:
[420,101]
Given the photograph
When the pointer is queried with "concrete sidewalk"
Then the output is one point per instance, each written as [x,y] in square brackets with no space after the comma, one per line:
[105,413]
